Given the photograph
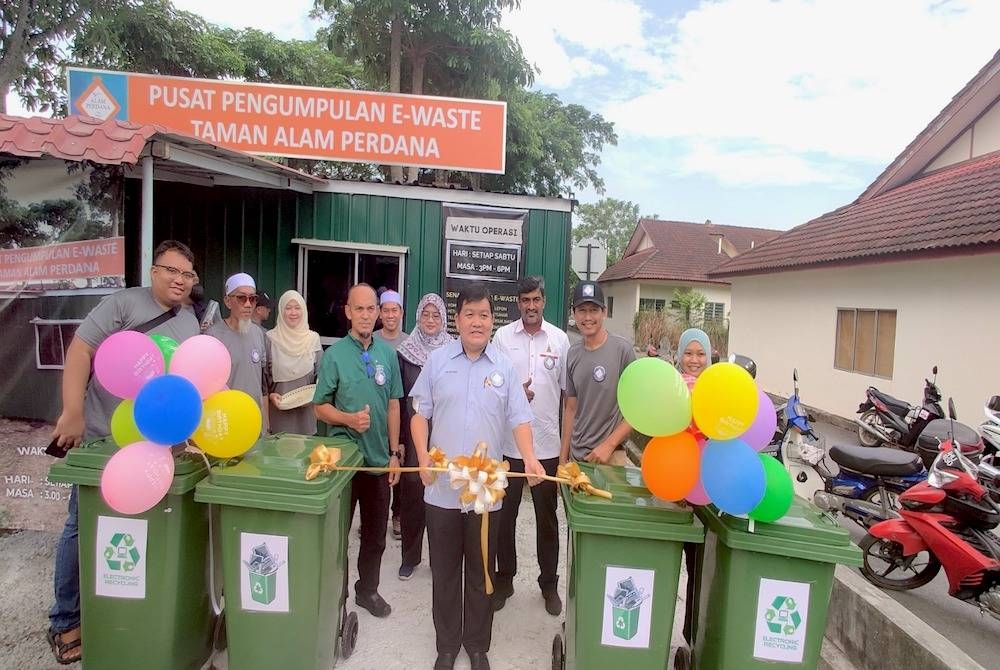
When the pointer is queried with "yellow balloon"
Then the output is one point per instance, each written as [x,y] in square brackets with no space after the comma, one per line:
[230,424]
[724,401]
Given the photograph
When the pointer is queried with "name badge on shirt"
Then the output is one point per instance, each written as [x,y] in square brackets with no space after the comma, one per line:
[380,375]
[255,356]
[600,373]
[495,379]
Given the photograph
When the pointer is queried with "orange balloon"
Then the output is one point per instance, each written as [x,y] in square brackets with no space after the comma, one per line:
[671,465]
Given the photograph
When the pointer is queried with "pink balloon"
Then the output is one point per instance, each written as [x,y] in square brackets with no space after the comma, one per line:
[697,496]
[205,362]
[760,432]
[137,477]
[127,360]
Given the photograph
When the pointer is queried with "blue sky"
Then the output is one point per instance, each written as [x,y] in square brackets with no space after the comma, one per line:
[746,112]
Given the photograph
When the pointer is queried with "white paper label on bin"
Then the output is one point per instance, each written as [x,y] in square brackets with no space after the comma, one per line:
[120,557]
[782,620]
[263,572]
[628,607]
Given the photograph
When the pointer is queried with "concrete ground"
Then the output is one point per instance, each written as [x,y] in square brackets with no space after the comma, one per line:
[522,631]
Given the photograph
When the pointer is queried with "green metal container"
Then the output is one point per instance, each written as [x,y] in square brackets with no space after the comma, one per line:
[624,560]
[762,596]
[143,593]
[284,555]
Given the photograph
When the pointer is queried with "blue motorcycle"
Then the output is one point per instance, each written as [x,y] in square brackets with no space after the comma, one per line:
[862,483]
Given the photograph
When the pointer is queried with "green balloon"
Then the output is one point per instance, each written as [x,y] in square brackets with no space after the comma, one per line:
[167,345]
[123,428]
[778,491]
[653,397]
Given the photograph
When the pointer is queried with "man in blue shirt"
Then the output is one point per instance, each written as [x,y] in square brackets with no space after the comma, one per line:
[473,394]
[357,393]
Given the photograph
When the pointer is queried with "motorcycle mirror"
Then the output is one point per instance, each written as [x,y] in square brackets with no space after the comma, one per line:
[795,374]
[744,362]
[934,369]
[952,414]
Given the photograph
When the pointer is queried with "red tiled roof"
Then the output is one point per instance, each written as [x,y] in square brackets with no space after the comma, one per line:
[682,250]
[948,210]
[74,138]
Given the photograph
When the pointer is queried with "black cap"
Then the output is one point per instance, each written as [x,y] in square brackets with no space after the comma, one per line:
[588,291]
[263,299]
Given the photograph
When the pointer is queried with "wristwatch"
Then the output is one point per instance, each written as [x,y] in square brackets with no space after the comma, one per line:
[398,454]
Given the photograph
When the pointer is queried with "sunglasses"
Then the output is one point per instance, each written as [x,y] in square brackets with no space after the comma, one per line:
[244,299]
[369,368]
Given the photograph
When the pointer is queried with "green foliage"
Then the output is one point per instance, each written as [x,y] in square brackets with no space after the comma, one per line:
[609,220]
[689,305]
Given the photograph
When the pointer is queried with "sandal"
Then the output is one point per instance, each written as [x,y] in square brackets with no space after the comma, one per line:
[66,652]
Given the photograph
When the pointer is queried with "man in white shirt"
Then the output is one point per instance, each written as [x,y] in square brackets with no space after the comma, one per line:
[538,350]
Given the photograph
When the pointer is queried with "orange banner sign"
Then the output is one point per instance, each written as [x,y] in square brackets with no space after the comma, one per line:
[68,261]
[304,122]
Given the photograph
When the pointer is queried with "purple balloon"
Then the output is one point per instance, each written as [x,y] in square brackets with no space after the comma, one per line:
[698,495]
[760,432]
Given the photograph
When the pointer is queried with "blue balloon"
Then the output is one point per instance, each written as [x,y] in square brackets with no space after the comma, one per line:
[167,409]
[732,475]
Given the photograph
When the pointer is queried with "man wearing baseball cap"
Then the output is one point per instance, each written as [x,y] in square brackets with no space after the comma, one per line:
[262,312]
[243,339]
[593,426]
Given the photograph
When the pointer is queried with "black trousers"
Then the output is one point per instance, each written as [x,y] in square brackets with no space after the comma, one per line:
[463,612]
[545,497]
[372,493]
[410,494]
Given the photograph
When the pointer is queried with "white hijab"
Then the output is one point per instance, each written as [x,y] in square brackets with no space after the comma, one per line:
[293,350]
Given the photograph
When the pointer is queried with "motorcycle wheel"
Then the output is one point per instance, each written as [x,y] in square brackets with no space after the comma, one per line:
[873,495]
[867,439]
[884,565]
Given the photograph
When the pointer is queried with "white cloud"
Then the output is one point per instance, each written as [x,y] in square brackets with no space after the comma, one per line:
[765,167]
[287,20]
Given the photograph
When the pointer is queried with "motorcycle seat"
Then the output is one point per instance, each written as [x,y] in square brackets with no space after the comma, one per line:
[880,461]
[897,406]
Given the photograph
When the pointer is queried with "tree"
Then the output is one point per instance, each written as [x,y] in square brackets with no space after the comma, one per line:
[610,221]
[690,306]
[31,32]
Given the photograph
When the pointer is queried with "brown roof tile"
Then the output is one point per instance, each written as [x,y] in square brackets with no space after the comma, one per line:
[74,138]
[951,209]
[682,250]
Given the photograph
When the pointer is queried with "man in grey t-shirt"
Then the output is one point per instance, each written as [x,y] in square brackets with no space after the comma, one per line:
[593,426]
[243,338]
[87,407]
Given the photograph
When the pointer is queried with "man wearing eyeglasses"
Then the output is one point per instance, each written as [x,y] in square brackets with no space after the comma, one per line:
[87,406]
[242,338]
[357,393]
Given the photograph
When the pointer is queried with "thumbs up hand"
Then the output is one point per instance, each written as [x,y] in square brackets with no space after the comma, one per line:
[362,420]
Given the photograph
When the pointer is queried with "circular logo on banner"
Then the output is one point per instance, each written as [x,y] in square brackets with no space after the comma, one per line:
[255,356]
[496,379]
[600,373]
[549,363]
[380,375]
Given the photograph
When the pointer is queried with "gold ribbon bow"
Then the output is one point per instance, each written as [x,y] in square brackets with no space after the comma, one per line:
[322,459]
[578,481]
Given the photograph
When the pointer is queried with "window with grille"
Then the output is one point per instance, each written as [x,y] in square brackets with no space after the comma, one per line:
[652,304]
[611,306]
[866,341]
[52,338]
[715,311]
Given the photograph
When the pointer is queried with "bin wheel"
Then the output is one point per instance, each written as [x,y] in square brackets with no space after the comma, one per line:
[557,652]
[349,635]
[682,659]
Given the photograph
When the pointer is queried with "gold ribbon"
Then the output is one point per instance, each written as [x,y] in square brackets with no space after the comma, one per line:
[481,481]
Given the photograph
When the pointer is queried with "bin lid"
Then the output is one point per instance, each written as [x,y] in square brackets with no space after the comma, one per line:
[272,475]
[806,532]
[85,464]
[632,512]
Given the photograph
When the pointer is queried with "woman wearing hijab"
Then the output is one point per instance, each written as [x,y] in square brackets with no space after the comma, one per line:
[429,334]
[694,352]
[293,358]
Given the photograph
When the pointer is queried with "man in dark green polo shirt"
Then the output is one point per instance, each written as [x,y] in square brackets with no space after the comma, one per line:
[357,394]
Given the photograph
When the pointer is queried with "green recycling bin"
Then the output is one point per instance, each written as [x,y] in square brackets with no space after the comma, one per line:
[624,558]
[762,593]
[284,554]
[143,587]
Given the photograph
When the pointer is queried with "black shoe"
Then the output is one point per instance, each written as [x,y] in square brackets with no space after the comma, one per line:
[373,602]
[479,661]
[553,603]
[500,595]
[445,660]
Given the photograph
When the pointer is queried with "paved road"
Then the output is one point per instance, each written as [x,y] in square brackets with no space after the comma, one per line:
[976,634]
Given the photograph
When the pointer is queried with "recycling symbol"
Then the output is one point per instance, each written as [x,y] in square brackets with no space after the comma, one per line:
[257,588]
[620,623]
[121,554]
[782,616]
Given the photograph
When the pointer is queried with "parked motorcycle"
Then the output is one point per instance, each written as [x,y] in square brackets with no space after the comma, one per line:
[990,431]
[946,521]
[887,420]
[862,483]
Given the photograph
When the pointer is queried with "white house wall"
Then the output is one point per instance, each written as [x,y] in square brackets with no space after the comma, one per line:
[946,315]
[626,296]
[981,139]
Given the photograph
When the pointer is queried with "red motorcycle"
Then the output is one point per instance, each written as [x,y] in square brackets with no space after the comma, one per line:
[946,521]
